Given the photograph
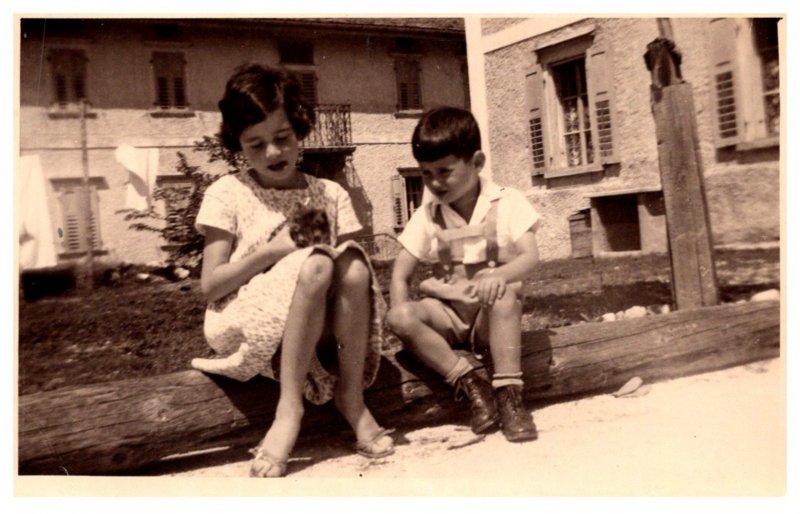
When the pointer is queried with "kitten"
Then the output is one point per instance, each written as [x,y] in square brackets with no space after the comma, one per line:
[307,227]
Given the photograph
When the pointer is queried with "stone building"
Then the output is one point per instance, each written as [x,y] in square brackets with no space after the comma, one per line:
[151,87]
[567,105]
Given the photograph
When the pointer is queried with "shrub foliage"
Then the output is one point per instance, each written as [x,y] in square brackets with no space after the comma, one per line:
[176,225]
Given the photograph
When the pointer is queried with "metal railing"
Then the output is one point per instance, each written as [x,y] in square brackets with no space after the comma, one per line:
[332,128]
[380,247]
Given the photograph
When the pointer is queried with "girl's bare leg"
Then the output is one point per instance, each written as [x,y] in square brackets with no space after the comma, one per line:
[351,319]
[301,334]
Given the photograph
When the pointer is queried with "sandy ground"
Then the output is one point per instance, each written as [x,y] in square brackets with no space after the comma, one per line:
[719,433]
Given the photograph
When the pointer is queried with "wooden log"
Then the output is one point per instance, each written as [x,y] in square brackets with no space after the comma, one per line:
[113,427]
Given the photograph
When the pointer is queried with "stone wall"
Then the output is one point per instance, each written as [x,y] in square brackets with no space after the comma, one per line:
[743,188]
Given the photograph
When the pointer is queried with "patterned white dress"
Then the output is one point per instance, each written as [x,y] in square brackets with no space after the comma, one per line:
[245,328]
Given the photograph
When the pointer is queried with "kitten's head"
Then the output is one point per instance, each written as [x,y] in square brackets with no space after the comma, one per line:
[309,226]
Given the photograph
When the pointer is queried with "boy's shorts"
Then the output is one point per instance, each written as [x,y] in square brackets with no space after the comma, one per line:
[462,329]
[468,324]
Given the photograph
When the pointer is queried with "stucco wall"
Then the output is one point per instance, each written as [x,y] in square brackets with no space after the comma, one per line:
[351,68]
[742,187]
[494,25]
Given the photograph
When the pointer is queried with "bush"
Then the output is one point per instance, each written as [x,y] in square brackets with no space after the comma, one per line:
[176,227]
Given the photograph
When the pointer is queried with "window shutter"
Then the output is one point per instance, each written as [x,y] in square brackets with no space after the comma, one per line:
[601,90]
[408,87]
[728,122]
[399,202]
[69,75]
[97,242]
[533,100]
[74,240]
[75,226]
[308,86]
[168,71]
[180,92]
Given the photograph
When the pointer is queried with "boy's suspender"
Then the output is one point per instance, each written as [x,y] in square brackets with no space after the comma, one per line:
[445,236]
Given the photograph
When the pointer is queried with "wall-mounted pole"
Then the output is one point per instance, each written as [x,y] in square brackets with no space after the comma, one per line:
[86,204]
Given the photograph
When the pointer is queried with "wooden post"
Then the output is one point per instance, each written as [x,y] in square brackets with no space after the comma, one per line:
[86,204]
[694,280]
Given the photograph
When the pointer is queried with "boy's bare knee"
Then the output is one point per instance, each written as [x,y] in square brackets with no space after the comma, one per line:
[316,272]
[508,305]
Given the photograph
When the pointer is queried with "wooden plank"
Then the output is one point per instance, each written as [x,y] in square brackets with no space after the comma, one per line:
[694,279]
[113,427]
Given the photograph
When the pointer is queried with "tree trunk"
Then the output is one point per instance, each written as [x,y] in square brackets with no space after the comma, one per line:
[117,426]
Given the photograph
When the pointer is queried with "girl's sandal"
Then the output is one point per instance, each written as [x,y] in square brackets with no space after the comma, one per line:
[372,449]
[266,465]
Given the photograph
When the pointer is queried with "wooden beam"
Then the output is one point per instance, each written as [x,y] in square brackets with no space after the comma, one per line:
[113,427]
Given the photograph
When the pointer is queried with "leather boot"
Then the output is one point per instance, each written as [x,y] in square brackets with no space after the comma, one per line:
[481,398]
[515,420]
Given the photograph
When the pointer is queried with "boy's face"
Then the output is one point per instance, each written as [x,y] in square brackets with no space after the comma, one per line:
[451,178]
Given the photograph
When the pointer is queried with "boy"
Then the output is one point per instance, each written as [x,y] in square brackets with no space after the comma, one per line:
[481,240]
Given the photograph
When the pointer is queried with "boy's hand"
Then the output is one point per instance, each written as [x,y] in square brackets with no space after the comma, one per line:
[491,286]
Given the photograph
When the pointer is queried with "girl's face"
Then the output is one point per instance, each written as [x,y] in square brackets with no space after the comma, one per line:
[271,149]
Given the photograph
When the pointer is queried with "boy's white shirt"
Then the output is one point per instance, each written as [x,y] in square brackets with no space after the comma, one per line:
[515,216]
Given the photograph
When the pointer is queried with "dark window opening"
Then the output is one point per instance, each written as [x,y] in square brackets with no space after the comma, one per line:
[619,220]
[296,52]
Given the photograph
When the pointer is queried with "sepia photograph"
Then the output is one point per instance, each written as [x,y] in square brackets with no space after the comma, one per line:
[493,255]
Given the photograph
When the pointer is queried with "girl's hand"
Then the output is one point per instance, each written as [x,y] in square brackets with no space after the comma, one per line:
[282,244]
[491,286]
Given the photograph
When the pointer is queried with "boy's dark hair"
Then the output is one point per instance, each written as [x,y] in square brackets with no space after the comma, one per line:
[254,91]
[446,131]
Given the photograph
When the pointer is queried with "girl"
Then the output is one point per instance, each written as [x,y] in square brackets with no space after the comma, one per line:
[270,302]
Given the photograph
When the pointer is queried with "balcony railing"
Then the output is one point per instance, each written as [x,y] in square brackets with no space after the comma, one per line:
[332,129]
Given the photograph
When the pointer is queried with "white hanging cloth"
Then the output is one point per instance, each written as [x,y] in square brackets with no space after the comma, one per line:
[37,244]
[142,165]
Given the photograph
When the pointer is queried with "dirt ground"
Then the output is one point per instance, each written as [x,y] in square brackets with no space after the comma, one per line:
[713,434]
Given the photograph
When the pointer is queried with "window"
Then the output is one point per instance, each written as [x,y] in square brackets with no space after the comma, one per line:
[745,81]
[68,68]
[765,35]
[296,52]
[573,104]
[73,232]
[569,99]
[407,191]
[170,80]
[409,96]
[298,56]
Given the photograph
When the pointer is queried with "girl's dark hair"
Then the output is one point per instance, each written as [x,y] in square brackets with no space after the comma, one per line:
[254,91]
[446,131]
